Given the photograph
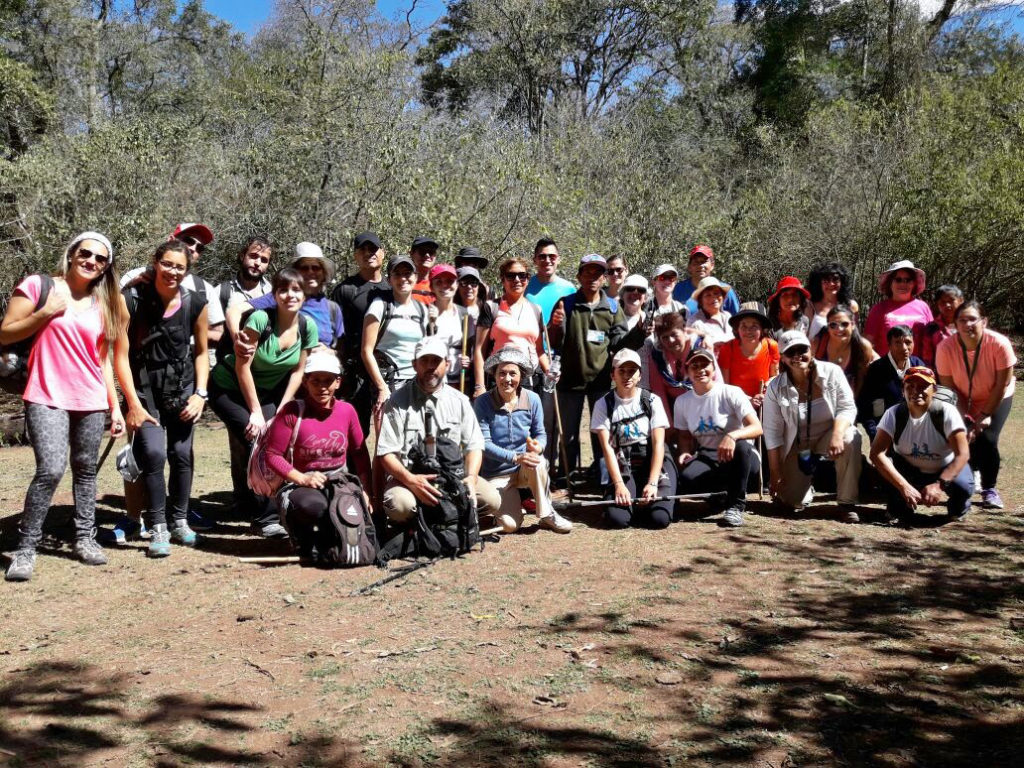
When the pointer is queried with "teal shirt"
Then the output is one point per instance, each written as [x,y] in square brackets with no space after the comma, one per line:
[270,364]
[547,295]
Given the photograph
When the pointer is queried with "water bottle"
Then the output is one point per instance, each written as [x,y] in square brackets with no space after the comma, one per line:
[430,439]
[551,377]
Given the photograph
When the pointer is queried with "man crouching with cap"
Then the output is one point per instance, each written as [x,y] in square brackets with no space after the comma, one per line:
[405,423]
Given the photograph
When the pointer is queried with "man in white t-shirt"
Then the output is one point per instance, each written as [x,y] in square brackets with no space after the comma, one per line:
[716,425]
[918,460]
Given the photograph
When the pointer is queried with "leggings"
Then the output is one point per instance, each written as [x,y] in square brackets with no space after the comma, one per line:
[230,406]
[705,474]
[154,445]
[656,515]
[54,434]
[985,448]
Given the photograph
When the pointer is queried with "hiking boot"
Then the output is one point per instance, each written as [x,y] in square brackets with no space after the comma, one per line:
[89,551]
[990,499]
[555,522]
[271,531]
[957,516]
[199,523]
[184,535]
[159,541]
[23,562]
[849,516]
[732,518]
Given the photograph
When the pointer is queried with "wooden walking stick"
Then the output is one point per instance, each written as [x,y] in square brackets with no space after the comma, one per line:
[558,420]
[465,339]
[760,445]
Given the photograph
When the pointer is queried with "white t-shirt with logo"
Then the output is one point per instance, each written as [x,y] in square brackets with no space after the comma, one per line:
[920,444]
[631,431]
[709,416]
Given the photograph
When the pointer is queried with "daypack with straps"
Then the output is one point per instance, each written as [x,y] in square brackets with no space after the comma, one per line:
[388,367]
[159,348]
[14,357]
[935,412]
[263,480]
[345,536]
[638,453]
[226,345]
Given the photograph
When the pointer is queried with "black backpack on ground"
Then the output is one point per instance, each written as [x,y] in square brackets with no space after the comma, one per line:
[345,536]
[14,375]
[452,527]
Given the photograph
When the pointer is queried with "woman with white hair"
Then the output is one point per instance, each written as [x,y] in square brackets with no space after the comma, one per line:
[512,422]
[74,318]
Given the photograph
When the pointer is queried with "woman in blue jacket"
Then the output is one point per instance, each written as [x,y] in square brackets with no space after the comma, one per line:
[512,422]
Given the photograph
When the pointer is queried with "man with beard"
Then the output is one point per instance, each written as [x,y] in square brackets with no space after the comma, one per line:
[250,281]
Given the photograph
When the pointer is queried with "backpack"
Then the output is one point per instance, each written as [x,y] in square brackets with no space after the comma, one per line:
[165,383]
[935,413]
[14,357]
[452,527]
[345,535]
[261,478]
[646,410]
[388,368]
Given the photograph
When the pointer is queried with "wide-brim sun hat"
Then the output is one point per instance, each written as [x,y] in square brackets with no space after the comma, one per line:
[789,283]
[751,309]
[306,250]
[708,282]
[509,354]
[885,278]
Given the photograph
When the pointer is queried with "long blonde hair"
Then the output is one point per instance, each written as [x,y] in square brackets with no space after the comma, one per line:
[105,287]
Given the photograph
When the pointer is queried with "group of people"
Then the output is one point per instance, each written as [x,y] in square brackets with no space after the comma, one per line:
[689,390]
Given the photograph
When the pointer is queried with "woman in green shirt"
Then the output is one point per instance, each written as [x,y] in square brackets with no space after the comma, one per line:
[245,392]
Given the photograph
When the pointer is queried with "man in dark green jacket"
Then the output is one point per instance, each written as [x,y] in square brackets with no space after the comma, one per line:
[586,329]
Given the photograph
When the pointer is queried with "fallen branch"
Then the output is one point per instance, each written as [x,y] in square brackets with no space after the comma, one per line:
[605,502]
[400,573]
[279,560]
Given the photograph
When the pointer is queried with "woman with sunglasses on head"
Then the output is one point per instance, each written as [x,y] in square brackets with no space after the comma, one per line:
[829,287]
[512,319]
[393,326]
[841,343]
[170,380]
[883,382]
[808,417]
[977,363]
[70,388]
[901,284]
[246,391]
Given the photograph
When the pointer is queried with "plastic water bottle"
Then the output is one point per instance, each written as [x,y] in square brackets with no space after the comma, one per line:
[551,377]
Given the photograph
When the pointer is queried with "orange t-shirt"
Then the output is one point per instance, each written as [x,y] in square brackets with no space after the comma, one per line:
[422,293]
[748,374]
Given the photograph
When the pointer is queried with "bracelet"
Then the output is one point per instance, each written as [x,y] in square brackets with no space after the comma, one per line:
[651,485]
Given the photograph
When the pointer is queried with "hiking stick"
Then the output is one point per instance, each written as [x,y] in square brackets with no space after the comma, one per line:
[558,421]
[106,452]
[465,339]
[400,573]
[760,445]
[280,560]
[605,502]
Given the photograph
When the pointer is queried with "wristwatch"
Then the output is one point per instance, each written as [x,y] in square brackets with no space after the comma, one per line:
[203,394]
[944,484]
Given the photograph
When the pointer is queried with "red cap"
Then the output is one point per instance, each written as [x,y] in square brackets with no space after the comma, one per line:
[200,232]
[442,269]
[702,249]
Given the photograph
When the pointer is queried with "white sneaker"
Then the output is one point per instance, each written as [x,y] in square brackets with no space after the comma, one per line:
[555,522]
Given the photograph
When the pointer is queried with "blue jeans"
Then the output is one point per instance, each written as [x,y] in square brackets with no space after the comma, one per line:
[959,491]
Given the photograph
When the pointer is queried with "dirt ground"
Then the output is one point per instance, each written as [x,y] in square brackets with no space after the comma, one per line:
[789,642]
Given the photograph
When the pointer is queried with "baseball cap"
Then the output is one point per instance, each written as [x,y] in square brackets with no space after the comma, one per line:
[421,241]
[663,269]
[704,352]
[442,269]
[200,232]
[431,345]
[323,362]
[469,272]
[920,372]
[595,259]
[791,339]
[398,261]
[701,250]
[635,281]
[625,356]
[365,237]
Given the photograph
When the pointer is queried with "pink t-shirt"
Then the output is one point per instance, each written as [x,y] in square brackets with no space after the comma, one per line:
[323,441]
[888,314]
[64,368]
[996,355]
[516,326]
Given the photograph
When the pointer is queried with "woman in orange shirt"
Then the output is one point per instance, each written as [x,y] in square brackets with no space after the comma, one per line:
[751,358]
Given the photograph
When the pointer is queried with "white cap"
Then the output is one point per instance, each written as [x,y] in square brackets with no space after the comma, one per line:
[635,281]
[662,269]
[625,356]
[323,362]
[431,345]
[791,339]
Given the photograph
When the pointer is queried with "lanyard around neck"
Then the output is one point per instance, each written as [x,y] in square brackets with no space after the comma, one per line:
[969,369]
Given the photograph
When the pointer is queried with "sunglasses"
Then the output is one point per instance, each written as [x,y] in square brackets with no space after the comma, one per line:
[193,243]
[617,271]
[634,290]
[839,326]
[831,279]
[545,257]
[470,282]
[85,254]
[904,279]
[797,351]
[519,277]
[668,276]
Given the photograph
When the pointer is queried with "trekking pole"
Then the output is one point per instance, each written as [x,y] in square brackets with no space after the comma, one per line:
[558,421]
[760,446]
[604,502]
[398,574]
[465,339]
[106,452]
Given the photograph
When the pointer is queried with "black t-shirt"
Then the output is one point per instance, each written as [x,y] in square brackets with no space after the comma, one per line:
[353,295]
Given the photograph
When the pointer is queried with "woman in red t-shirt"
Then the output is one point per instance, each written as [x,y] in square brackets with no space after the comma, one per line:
[751,359]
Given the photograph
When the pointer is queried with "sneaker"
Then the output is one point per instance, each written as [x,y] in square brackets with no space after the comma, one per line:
[733,517]
[199,523]
[555,522]
[272,531]
[990,499]
[90,552]
[159,541]
[182,534]
[23,562]
[123,530]
[144,532]
[849,516]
